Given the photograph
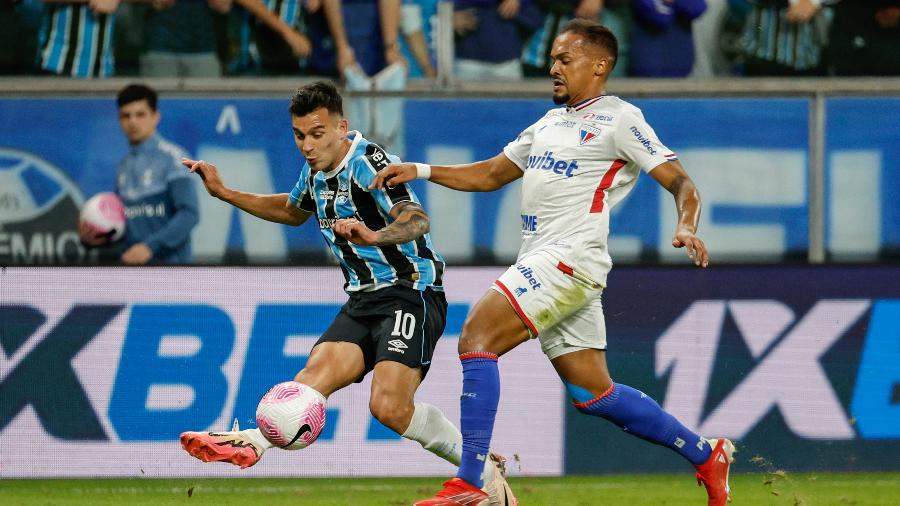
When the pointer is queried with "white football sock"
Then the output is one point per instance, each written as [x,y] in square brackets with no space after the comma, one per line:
[256,437]
[430,428]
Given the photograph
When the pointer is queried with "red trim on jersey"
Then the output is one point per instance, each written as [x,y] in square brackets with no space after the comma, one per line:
[582,405]
[517,307]
[565,268]
[478,354]
[605,183]
[580,107]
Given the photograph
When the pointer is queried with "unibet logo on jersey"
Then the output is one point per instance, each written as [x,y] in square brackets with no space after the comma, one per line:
[547,162]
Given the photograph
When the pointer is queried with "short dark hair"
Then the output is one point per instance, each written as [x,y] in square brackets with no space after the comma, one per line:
[134,92]
[313,96]
[595,33]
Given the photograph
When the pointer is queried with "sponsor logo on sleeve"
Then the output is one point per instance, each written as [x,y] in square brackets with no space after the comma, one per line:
[643,140]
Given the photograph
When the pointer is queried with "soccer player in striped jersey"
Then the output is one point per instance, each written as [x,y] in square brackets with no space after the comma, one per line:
[576,163]
[396,311]
[76,38]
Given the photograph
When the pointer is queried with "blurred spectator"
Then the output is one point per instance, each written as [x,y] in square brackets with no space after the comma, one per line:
[366,52]
[709,40]
[369,38]
[784,38]
[281,43]
[181,38]
[662,41]
[159,196]
[20,21]
[76,38]
[490,37]
[865,38]
[417,20]
[616,15]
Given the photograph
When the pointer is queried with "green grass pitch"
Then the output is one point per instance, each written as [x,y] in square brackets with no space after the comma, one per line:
[839,489]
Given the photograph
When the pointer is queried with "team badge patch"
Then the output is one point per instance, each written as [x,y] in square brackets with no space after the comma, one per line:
[588,133]
[343,194]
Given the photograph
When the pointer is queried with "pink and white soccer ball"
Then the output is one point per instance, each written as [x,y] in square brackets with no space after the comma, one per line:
[104,213]
[291,415]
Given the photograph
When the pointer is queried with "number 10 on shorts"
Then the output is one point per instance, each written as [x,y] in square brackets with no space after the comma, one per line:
[404,324]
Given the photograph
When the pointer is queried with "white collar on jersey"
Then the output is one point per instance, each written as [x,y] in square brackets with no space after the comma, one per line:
[356,136]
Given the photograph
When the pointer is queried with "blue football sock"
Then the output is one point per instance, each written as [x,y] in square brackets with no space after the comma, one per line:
[478,408]
[636,413]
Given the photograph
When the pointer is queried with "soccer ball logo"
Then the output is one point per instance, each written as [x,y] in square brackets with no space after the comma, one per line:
[291,415]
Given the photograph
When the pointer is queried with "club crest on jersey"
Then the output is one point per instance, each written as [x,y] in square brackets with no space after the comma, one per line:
[343,194]
[588,133]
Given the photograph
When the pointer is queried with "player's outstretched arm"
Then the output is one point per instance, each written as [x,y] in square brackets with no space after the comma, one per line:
[673,178]
[483,176]
[410,223]
[276,208]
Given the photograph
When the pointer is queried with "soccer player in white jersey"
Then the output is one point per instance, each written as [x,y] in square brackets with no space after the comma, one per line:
[577,162]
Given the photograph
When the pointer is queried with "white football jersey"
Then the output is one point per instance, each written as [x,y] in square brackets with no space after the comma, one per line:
[578,163]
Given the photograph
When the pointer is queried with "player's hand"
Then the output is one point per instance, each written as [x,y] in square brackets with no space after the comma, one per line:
[801,11]
[393,175]
[464,21]
[696,250]
[139,254]
[588,9]
[208,173]
[219,6]
[888,17]
[392,55]
[345,58]
[355,231]
[161,5]
[90,236]
[300,44]
[313,5]
[103,6]
[508,9]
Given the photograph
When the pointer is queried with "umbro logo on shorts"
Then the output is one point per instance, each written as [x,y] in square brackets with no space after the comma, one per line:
[397,345]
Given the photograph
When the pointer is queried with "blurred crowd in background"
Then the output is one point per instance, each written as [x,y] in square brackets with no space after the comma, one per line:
[492,39]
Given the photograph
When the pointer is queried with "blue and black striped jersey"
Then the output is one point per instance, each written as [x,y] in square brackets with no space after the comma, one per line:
[344,193]
[75,42]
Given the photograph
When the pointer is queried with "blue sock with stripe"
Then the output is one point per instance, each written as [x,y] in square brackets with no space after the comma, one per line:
[478,408]
[636,413]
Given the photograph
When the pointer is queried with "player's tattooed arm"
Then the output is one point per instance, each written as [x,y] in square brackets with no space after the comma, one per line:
[410,223]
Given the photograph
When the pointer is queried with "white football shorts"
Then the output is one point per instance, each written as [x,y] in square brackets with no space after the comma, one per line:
[560,307]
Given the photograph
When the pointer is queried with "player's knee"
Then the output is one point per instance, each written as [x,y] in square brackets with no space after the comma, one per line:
[474,337]
[391,411]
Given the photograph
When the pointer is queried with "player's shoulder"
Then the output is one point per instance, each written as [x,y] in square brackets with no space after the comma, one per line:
[623,107]
[371,156]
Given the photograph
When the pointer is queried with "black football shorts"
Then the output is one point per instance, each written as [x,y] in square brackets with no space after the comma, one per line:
[396,323]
